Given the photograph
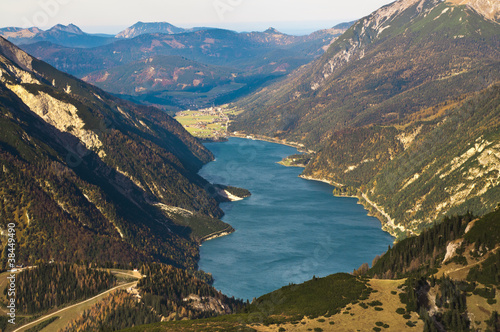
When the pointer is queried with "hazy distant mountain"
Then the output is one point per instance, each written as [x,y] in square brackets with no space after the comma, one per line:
[10,29]
[64,35]
[141,28]
[260,56]
[160,73]
[344,26]
[71,28]
[19,33]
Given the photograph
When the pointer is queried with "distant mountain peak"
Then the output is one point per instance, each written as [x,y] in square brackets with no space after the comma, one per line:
[70,28]
[272,30]
[344,25]
[141,28]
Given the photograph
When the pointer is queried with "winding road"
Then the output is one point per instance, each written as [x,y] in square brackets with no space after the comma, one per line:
[103,294]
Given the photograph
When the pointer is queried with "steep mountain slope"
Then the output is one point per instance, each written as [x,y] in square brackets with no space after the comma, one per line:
[382,96]
[401,47]
[89,177]
[410,174]
[65,35]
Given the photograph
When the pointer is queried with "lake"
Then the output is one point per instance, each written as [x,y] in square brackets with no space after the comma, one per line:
[289,230]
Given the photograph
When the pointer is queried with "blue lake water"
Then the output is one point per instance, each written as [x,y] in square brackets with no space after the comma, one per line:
[289,230]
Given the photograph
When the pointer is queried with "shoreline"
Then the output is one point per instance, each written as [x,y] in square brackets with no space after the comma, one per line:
[387,224]
[227,231]
[300,147]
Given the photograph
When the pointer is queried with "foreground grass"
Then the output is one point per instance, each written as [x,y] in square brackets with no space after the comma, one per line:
[314,298]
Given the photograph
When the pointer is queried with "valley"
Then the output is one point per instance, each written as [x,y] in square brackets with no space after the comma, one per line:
[143,184]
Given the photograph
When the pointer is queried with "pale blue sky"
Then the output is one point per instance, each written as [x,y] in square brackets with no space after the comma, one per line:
[111,16]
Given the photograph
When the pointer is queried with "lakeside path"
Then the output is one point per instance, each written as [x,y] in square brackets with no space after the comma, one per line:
[298,146]
[74,311]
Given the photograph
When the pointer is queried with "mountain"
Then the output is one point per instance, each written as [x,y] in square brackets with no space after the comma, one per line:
[141,28]
[87,177]
[219,47]
[65,35]
[159,73]
[255,58]
[344,26]
[168,80]
[396,109]
[19,33]
[70,28]
[10,29]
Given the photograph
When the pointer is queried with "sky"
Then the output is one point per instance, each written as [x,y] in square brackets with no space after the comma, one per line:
[112,16]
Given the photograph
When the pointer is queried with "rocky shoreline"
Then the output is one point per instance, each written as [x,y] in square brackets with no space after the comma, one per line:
[373,209]
[217,234]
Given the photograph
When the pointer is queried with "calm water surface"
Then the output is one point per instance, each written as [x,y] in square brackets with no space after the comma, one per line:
[289,230]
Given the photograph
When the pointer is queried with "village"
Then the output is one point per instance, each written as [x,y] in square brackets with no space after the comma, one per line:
[208,123]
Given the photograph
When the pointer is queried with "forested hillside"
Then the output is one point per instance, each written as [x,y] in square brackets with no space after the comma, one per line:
[88,177]
[403,108]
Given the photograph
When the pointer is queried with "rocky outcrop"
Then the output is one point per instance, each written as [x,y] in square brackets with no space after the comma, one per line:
[59,114]
[208,304]
[352,44]
[487,8]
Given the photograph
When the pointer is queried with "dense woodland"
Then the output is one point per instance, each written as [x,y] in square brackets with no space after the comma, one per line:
[164,289]
[115,312]
[422,254]
[161,295]
[49,286]
[69,204]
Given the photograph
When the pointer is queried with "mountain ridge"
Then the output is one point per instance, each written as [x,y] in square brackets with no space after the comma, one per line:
[256,58]
[68,35]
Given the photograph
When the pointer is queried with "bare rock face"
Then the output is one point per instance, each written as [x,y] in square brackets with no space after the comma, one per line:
[487,8]
[208,304]
[366,30]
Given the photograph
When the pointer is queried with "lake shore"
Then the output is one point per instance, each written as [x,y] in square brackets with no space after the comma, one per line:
[387,224]
[300,147]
